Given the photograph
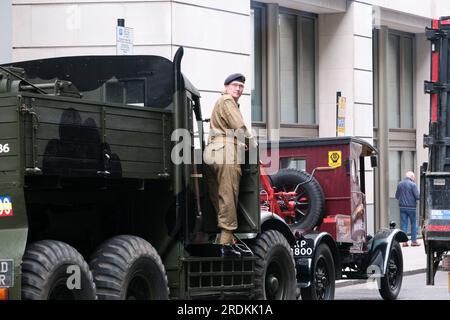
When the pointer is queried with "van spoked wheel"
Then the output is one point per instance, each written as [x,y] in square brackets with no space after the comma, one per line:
[275,269]
[129,268]
[309,200]
[53,270]
[391,283]
[323,281]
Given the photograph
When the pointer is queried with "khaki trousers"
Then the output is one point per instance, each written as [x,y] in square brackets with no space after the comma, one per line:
[223,183]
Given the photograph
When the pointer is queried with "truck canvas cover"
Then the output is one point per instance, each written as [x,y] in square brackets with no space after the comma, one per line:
[149,78]
[119,124]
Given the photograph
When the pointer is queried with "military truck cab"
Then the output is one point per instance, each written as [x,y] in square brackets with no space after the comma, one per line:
[103,192]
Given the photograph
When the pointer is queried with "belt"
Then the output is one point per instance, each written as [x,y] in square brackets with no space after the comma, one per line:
[224,139]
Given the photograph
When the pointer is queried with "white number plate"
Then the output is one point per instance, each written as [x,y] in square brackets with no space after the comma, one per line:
[6,273]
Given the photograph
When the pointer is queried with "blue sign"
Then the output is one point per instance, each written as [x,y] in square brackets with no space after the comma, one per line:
[440,214]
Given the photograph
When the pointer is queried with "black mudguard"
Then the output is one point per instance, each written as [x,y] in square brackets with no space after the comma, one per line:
[379,248]
[271,221]
[303,265]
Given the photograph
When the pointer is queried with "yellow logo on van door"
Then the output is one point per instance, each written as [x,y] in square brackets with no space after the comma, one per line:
[335,158]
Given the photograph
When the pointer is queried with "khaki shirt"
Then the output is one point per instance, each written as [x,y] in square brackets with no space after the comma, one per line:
[223,140]
[225,116]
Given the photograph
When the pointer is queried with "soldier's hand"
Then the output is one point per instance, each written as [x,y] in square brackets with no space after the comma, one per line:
[252,142]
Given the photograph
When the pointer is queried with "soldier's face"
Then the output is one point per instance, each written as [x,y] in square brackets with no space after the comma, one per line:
[235,89]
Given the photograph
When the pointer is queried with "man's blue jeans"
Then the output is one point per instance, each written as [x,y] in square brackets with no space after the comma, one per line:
[405,214]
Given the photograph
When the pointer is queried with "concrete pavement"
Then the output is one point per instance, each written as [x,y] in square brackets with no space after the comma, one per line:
[414,261]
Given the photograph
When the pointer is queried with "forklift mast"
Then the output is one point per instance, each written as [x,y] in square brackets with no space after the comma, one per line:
[438,139]
[435,174]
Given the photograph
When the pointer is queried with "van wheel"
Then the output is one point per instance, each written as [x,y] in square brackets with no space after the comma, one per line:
[50,271]
[392,282]
[129,268]
[309,201]
[275,269]
[323,279]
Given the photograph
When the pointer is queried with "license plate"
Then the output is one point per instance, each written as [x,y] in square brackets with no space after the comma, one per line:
[6,273]
[303,248]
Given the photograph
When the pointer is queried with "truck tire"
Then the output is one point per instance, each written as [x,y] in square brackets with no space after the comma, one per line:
[391,283]
[128,268]
[310,202]
[275,269]
[48,273]
[323,277]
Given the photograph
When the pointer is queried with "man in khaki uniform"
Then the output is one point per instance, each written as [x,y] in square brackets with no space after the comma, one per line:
[221,155]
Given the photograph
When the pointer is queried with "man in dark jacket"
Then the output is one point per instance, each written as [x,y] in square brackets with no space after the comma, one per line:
[407,196]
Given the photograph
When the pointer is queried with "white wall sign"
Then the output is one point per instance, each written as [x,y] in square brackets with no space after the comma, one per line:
[124,41]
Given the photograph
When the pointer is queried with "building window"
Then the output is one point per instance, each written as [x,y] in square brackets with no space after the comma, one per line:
[284,73]
[394,109]
[407,112]
[307,73]
[297,68]
[258,27]
[394,179]
[125,91]
[400,80]
[393,86]
[399,163]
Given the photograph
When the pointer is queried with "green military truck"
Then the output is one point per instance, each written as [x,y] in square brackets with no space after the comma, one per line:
[92,205]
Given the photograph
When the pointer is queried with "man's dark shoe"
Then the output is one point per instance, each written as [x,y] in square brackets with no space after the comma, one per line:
[243,250]
[227,250]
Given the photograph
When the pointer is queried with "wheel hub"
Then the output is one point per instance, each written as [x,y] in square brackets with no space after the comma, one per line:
[393,270]
[321,283]
[272,284]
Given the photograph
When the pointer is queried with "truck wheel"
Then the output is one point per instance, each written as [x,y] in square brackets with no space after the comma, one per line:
[129,268]
[323,277]
[48,273]
[309,202]
[275,268]
[392,282]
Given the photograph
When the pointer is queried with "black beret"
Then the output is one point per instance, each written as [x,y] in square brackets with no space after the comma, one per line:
[234,77]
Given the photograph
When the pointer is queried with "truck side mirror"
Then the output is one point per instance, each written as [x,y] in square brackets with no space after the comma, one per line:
[374,161]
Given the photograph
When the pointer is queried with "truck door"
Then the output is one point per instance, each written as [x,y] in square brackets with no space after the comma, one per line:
[249,214]
[358,198]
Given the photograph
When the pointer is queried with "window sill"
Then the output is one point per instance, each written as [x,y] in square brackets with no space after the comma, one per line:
[297,125]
